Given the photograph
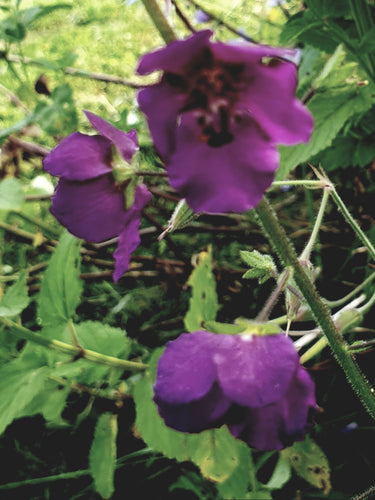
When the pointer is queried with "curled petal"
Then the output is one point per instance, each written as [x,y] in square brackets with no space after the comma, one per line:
[92,210]
[80,157]
[129,238]
[126,143]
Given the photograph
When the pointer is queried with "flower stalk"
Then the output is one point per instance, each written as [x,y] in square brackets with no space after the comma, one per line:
[159,20]
[284,249]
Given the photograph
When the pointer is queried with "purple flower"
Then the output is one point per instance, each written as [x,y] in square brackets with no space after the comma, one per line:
[87,200]
[254,384]
[217,114]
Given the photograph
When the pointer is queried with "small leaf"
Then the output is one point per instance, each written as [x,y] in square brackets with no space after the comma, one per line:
[61,286]
[11,194]
[15,299]
[102,458]
[203,302]
[215,452]
[310,463]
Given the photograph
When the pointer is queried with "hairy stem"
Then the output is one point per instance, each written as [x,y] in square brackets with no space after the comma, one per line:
[280,242]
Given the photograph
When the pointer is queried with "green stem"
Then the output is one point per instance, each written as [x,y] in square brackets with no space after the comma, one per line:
[350,220]
[308,184]
[305,255]
[350,295]
[280,242]
[159,20]
[71,350]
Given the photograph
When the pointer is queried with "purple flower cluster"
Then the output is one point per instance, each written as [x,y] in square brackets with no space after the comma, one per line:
[254,384]
[217,115]
[88,201]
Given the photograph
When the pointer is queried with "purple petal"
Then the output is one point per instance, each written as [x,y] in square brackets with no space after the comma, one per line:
[80,157]
[230,178]
[126,144]
[186,371]
[255,370]
[92,210]
[278,425]
[196,416]
[175,56]
[270,98]
[161,105]
[249,53]
[129,238]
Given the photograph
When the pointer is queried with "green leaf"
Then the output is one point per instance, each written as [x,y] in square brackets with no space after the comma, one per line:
[281,474]
[11,194]
[61,287]
[21,380]
[331,110]
[150,425]
[215,452]
[310,462]
[263,266]
[217,327]
[203,302]
[102,458]
[15,299]
[237,484]
[98,337]
[49,402]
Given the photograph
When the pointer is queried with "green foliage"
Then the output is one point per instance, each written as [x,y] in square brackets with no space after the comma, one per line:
[102,456]
[61,286]
[16,298]
[310,462]
[11,194]
[262,266]
[203,302]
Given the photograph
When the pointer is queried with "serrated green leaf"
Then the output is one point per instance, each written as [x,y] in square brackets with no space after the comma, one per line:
[61,287]
[15,299]
[331,110]
[257,260]
[49,402]
[203,304]
[102,458]
[11,194]
[97,337]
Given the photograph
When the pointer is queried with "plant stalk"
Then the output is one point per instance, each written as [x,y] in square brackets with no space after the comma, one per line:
[285,251]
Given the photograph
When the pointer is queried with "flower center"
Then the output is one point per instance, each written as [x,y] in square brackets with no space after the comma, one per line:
[211,89]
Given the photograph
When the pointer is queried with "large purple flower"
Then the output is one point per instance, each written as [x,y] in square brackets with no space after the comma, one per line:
[254,384]
[87,200]
[217,114]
